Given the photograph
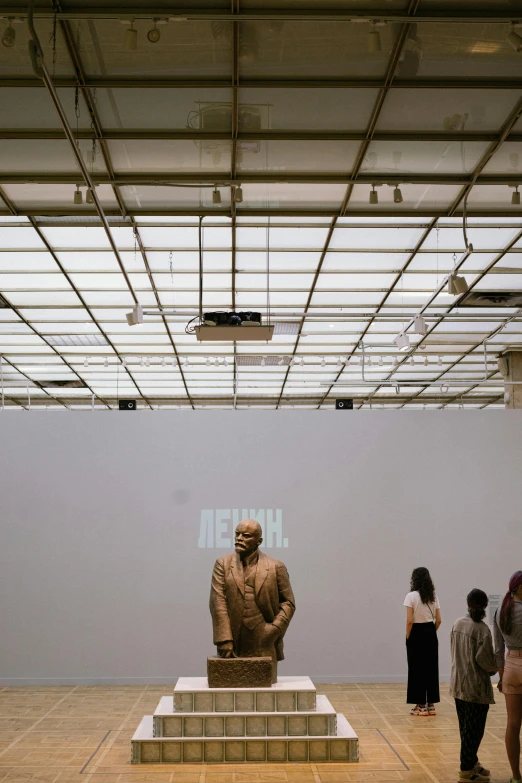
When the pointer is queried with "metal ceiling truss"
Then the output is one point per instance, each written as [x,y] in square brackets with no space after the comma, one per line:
[170,82]
[489,14]
[209,179]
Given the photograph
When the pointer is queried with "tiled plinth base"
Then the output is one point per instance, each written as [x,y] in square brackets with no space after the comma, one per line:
[322,722]
[149,750]
[288,694]
[287,722]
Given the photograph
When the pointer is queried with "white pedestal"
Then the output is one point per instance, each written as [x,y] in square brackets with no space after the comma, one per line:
[285,723]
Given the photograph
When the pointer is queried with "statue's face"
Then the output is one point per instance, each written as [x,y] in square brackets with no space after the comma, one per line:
[248,538]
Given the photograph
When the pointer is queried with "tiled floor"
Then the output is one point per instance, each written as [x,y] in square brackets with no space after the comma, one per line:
[82,734]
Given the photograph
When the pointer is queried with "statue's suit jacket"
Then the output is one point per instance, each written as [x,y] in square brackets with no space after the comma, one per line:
[273,594]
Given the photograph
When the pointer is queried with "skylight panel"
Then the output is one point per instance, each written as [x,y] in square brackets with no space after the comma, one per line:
[44,298]
[76,237]
[19,237]
[19,261]
[404,239]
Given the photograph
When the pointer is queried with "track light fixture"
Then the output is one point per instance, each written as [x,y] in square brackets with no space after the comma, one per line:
[515,198]
[301,363]
[216,361]
[402,341]
[263,361]
[9,36]
[374,40]
[419,325]
[515,40]
[131,39]
[397,195]
[281,361]
[238,194]
[147,362]
[86,361]
[142,362]
[163,362]
[106,362]
[78,196]
[207,363]
[135,316]
[225,362]
[216,196]
[374,197]
[124,363]
[154,34]
[186,362]
[456,285]
[323,362]
[89,198]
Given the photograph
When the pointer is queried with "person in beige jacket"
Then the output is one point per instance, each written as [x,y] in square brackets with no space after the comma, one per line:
[251,600]
[472,666]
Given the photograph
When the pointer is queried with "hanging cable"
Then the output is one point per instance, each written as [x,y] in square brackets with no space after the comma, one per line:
[200,242]
[268,271]
[464,220]
[189,329]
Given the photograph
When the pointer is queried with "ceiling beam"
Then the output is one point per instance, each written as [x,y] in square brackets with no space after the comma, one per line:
[41,212]
[207,179]
[177,15]
[166,82]
[147,134]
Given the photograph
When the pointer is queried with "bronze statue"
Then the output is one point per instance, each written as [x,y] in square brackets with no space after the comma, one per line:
[251,600]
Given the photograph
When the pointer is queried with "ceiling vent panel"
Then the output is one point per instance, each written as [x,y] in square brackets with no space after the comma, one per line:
[76,339]
[257,361]
[286,327]
[54,384]
[492,299]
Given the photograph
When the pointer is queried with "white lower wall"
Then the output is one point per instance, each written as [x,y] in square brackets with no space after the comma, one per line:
[105,572]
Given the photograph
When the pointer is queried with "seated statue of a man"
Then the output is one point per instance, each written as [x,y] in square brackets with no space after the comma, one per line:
[251,600]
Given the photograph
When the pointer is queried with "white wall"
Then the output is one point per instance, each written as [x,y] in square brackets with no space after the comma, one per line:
[102,578]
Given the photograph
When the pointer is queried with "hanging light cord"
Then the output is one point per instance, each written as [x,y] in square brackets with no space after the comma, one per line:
[268,270]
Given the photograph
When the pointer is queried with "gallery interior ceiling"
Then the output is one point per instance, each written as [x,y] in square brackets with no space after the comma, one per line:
[286,100]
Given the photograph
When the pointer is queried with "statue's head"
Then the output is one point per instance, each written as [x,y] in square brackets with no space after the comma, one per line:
[248,537]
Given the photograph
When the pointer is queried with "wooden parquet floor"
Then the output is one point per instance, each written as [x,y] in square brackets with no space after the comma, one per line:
[82,735]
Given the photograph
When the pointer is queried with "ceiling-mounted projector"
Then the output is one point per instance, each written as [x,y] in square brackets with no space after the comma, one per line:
[222,326]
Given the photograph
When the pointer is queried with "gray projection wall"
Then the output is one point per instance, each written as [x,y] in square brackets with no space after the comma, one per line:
[110,525]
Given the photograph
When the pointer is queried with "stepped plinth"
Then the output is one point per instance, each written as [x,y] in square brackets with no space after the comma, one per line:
[287,722]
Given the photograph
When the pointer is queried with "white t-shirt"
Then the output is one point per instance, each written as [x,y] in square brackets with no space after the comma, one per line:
[422,613]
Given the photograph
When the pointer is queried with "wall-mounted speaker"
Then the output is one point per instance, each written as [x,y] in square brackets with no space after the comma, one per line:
[344,404]
[127,405]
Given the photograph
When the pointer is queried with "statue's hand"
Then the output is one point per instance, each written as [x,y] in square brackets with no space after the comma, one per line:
[272,633]
[226,650]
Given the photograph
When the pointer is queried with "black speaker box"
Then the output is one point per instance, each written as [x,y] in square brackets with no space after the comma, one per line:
[127,405]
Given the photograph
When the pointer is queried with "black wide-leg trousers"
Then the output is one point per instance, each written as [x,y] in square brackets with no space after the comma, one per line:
[472,724]
[422,648]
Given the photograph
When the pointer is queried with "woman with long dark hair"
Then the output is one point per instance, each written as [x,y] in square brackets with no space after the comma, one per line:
[472,666]
[507,632]
[422,646]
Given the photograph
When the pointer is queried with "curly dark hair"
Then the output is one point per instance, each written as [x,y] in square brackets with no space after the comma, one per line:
[422,583]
